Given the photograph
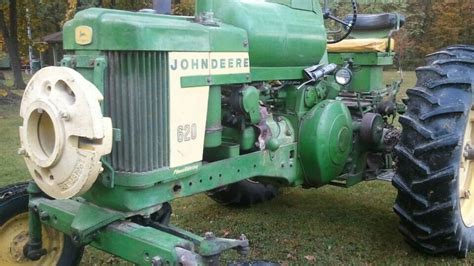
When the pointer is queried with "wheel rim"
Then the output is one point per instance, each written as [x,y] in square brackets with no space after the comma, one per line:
[466,183]
[14,236]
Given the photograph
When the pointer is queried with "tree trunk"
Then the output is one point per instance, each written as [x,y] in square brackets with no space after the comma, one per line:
[11,40]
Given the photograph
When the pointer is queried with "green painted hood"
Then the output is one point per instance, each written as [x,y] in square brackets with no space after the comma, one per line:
[276,35]
[115,30]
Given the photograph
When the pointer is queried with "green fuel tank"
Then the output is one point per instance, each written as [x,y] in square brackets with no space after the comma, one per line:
[281,33]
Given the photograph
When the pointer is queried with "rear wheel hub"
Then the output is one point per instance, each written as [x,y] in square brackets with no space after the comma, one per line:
[466,184]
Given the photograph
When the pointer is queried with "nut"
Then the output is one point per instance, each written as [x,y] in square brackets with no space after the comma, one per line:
[156,261]
[65,116]
[209,235]
[22,152]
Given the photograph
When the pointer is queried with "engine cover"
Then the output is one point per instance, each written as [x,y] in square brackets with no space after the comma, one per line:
[325,142]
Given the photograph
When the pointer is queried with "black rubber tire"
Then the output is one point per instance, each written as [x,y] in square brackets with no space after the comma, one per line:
[14,201]
[429,154]
[243,194]
[452,52]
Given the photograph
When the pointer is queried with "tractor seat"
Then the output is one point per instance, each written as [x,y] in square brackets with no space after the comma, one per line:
[376,22]
[371,33]
[362,46]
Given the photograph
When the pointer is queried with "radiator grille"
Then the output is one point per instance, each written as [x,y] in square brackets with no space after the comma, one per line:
[136,94]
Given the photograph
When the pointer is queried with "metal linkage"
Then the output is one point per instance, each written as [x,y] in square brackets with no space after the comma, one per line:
[34,250]
[114,232]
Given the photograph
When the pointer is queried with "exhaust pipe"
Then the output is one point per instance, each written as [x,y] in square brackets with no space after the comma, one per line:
[162,7]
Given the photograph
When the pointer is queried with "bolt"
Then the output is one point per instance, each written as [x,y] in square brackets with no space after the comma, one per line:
[76,238]
[22,152]
[244,248]
[65,116]
[39,110]
[156,261]
[44,216]
[209,235]
[466,194]
[468,152]
[246,43]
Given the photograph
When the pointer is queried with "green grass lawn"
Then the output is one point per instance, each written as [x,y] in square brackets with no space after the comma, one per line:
[327,226]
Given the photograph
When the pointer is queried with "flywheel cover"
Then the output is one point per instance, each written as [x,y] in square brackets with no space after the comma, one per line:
[64,134]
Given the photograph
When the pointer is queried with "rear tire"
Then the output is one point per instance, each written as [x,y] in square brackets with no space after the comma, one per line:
[14,232]
[458,51]
[430,155]
[243,194]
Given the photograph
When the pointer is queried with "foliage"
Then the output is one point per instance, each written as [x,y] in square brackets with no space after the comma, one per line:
[184,8]
[10,11]
[430,24]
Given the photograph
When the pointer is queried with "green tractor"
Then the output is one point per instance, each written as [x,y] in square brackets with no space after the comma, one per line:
[238,100]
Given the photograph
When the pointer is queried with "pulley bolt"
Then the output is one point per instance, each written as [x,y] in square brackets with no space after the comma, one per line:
[65,116]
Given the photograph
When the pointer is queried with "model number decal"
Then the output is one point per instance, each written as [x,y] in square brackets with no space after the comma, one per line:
[187,132]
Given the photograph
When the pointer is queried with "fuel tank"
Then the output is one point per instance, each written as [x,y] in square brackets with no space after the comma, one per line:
[281,33]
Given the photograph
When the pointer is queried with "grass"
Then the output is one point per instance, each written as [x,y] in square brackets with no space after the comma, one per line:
[9,77]
[327,226]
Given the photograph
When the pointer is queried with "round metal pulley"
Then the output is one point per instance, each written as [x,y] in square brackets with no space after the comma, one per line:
[64,134]
[372,126]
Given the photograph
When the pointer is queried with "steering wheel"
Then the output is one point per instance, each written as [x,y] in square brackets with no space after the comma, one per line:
[346,26]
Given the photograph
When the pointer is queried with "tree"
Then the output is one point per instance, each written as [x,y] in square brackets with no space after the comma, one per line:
[10,37]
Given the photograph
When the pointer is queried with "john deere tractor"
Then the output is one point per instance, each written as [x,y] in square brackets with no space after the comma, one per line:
[235,102]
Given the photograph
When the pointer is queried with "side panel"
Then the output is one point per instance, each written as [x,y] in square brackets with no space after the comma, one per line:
[188,106]
[188,109]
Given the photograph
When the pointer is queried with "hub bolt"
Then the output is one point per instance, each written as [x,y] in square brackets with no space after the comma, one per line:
[466,194]
[468,153]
